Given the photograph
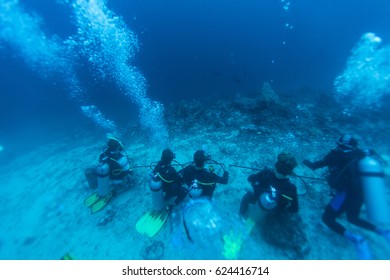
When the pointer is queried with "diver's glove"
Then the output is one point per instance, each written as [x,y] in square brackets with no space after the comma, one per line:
[309,164]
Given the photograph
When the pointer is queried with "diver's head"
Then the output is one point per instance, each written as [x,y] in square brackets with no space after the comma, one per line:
[285,164]
[167,156]
[200,157]
[113,145]
[347,143]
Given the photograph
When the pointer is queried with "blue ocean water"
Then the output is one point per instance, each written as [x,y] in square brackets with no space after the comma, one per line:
[100,66]
[197,50]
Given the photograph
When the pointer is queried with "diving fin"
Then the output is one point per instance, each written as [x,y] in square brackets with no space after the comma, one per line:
[363,250]
[67,257]
[233,240]
[361,245]
[91,199]
[152,221]
[232,245]
[101,203]
[140,225]
[249,225]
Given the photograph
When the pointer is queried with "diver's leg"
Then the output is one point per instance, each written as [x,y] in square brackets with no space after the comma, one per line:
[338,205]
[333,210]
[353,214]
[329,218]
[248,198]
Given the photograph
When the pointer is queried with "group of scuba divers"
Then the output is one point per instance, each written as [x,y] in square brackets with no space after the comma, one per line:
[355,176]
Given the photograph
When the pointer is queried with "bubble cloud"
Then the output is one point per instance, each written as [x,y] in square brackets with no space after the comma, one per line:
[366,78]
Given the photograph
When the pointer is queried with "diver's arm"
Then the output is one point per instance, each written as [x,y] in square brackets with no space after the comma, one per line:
[221,180]
[319,163]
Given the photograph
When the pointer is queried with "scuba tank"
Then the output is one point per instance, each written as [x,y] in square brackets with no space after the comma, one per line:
[194,190]
[103,179]
[91,176]
[373,184]
[155,185]
[267,200]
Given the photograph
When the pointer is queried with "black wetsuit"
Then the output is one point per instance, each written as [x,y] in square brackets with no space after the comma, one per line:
[119,168]
[170,182]
[206,180]
[344,180]
[112,158]
[286,192]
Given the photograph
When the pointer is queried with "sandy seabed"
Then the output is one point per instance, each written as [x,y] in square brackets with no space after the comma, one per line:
[43,188]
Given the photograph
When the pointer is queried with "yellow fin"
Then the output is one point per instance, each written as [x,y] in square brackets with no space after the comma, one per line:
[143,221]
[91,199]
[231,245]
[151,222]
[249,225]
[100,204]
[67,257]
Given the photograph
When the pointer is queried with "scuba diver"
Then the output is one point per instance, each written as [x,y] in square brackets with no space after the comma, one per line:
[272,189]
[200,181]
[167,192]
[165,182]
[277,198]
[350,174]
[111,176]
